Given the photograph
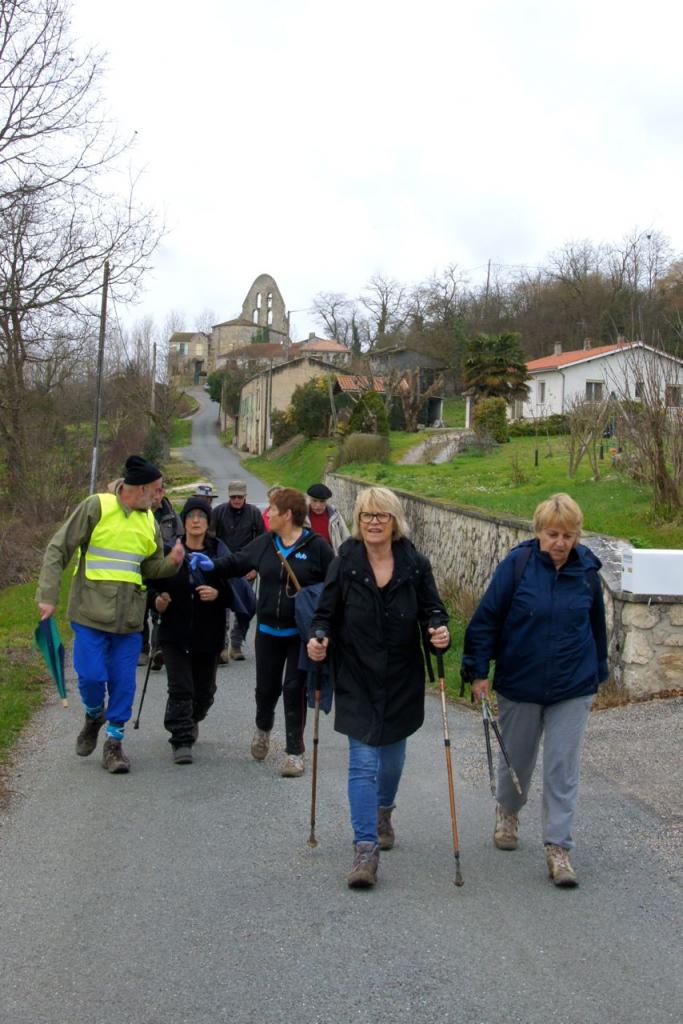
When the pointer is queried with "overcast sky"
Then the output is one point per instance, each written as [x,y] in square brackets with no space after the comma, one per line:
[322,142]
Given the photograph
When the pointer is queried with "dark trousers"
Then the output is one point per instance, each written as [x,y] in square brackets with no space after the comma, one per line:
[278,657]
[191,690]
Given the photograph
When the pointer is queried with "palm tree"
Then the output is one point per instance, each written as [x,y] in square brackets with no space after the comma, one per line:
[495,367]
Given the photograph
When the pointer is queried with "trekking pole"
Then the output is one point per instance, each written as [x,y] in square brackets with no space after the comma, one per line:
[488,716]
[312,841]
[449,768]
[136,723]
[489,753]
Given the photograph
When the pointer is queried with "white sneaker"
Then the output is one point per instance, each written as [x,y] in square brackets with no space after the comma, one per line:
[293,766]
[260,744]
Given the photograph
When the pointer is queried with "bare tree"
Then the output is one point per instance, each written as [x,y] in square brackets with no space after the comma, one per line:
[412,400]
[59,220]
[650,424]
[587,421]
[386,301]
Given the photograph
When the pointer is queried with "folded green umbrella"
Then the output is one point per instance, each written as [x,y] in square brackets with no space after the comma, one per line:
[48,641]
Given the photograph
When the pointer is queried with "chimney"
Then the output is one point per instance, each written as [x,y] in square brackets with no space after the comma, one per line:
[557,348]
[586,344]
[311,335]
[621,339]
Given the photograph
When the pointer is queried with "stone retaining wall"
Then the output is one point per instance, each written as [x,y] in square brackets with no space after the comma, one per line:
[465,545]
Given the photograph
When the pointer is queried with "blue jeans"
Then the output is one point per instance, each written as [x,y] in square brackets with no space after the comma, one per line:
[374,775]
[105,664]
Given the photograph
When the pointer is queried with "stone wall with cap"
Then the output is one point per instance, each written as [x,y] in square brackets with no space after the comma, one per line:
[465,545]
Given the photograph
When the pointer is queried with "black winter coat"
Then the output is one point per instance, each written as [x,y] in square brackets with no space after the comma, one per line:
[188,623]
[237,527]
[377,661]
[308,559]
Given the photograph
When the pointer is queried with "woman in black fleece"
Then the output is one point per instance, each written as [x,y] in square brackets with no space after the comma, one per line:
[277,638]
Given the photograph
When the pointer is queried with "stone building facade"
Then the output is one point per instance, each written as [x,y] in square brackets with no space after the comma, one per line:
[272,389]
[465,546]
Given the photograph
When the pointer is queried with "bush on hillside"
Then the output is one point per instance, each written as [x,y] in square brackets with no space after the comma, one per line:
[363,448]
[281,426]
[549,426]
[369,415]
[490,419]
[311,408]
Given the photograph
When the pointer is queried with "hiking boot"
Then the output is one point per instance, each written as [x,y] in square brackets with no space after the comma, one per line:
[385,832]
[293,766]
[113,757]
[364,869]
[224,656]
[157,661]
[506,832]
[559,867]
[236,654]
[143,658]
[260,744]
[182,755]
[86,741]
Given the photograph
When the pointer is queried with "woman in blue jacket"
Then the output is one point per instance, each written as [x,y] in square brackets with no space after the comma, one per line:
[542,620]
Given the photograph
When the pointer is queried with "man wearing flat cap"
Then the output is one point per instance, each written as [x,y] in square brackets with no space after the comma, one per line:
[236,523]
[325,519]
[118,543]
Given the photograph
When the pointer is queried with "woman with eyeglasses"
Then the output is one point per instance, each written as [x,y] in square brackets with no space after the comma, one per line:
[379,607]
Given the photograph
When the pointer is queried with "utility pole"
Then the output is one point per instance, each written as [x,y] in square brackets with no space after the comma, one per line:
[152,397]
[100,368]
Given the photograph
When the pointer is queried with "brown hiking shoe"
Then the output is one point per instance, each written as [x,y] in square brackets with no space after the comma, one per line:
[506,832]
[224,657]
[86,741]
[385,831]
[260,744]
[559,867]
[236,654]
[365,863]
[113,757]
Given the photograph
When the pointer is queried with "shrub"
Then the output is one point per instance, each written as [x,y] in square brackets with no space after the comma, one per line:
[281,425]
[311,408]
[550,426]
[489,418]
[369,415]
[363,448]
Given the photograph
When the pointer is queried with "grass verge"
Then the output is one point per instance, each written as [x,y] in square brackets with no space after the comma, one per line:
[24,679]
[181,433]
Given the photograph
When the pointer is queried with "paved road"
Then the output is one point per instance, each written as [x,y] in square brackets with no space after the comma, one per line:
[188,895]
[221,464]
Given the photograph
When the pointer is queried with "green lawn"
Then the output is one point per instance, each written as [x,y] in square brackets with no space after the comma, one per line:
[181,433]
[504,481]
[454,412]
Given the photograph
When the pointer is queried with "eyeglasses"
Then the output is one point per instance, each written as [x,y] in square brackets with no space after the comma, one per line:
[381,517]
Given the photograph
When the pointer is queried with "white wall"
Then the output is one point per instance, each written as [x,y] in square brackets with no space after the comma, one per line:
[614,370]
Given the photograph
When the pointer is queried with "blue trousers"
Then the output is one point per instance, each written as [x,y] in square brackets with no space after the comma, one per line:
[105,664]
[374,775]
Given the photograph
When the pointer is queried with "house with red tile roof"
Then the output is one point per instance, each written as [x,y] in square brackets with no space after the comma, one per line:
[596,372]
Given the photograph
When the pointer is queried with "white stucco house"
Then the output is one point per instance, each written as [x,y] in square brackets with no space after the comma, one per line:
[623,369]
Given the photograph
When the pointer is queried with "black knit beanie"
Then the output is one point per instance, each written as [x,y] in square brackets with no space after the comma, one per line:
[139,471]
[199,503]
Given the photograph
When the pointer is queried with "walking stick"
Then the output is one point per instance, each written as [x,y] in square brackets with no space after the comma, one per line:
[488,717]
[449,768]
[312,841]
[489,754]
[136,723]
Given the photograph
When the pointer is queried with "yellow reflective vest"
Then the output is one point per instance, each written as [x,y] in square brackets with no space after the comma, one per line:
[120,543]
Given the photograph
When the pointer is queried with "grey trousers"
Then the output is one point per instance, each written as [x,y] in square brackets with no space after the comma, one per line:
[562,726]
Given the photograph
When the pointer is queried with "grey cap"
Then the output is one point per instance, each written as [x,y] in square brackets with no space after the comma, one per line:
[237,488]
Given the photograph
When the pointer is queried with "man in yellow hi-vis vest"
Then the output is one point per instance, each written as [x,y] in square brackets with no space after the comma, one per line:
[120,544]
